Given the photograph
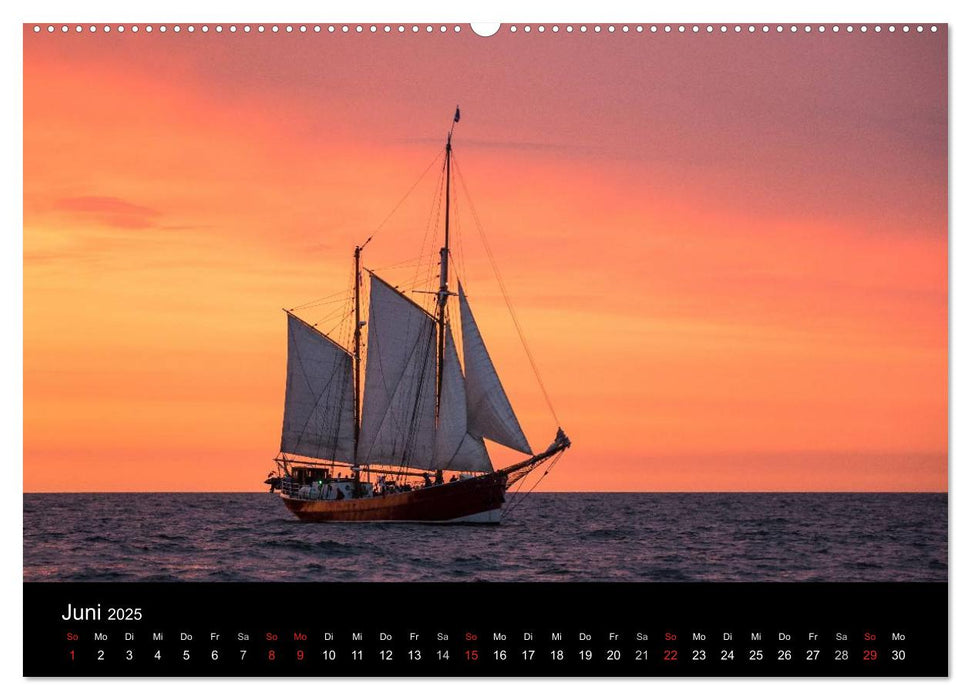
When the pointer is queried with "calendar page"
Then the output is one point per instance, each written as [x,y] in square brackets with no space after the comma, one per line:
[525,349]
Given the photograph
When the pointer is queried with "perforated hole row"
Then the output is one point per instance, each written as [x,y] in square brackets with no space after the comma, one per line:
[513,29]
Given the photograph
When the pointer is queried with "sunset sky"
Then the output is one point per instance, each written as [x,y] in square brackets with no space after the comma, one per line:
[728,252]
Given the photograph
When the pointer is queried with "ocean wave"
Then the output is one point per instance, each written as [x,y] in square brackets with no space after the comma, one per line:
[609,537]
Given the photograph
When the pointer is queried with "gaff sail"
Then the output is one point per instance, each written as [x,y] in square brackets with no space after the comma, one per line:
[318,414]
[398,409]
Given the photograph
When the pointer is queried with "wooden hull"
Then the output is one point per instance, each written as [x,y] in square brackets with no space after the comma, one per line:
[477,500]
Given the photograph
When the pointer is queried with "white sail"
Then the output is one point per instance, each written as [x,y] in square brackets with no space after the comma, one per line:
[318,415]
[489,413]
[398,410]
[455,448]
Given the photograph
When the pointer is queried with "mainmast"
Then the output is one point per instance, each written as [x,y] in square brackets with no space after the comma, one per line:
[443,278]
[357,350]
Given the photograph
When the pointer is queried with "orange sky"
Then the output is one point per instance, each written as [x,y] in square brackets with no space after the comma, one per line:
[729,253]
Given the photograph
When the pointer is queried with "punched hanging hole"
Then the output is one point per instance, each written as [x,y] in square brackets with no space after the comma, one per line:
[485,28]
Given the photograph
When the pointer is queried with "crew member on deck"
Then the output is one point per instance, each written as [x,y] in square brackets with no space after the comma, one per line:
[439,477]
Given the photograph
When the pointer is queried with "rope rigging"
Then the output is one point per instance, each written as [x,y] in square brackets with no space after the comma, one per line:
[505,293]
[519,496]
[402,200]
[321,301]
[425,267]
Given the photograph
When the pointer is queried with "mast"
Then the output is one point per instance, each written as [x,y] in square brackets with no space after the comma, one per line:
[443,279]
[357,350]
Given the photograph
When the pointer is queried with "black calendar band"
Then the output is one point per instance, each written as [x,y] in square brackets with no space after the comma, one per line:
[485,629]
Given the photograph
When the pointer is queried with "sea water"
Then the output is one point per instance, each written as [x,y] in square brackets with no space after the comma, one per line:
[543,537]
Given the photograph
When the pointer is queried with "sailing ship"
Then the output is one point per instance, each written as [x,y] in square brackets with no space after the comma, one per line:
[406,443]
